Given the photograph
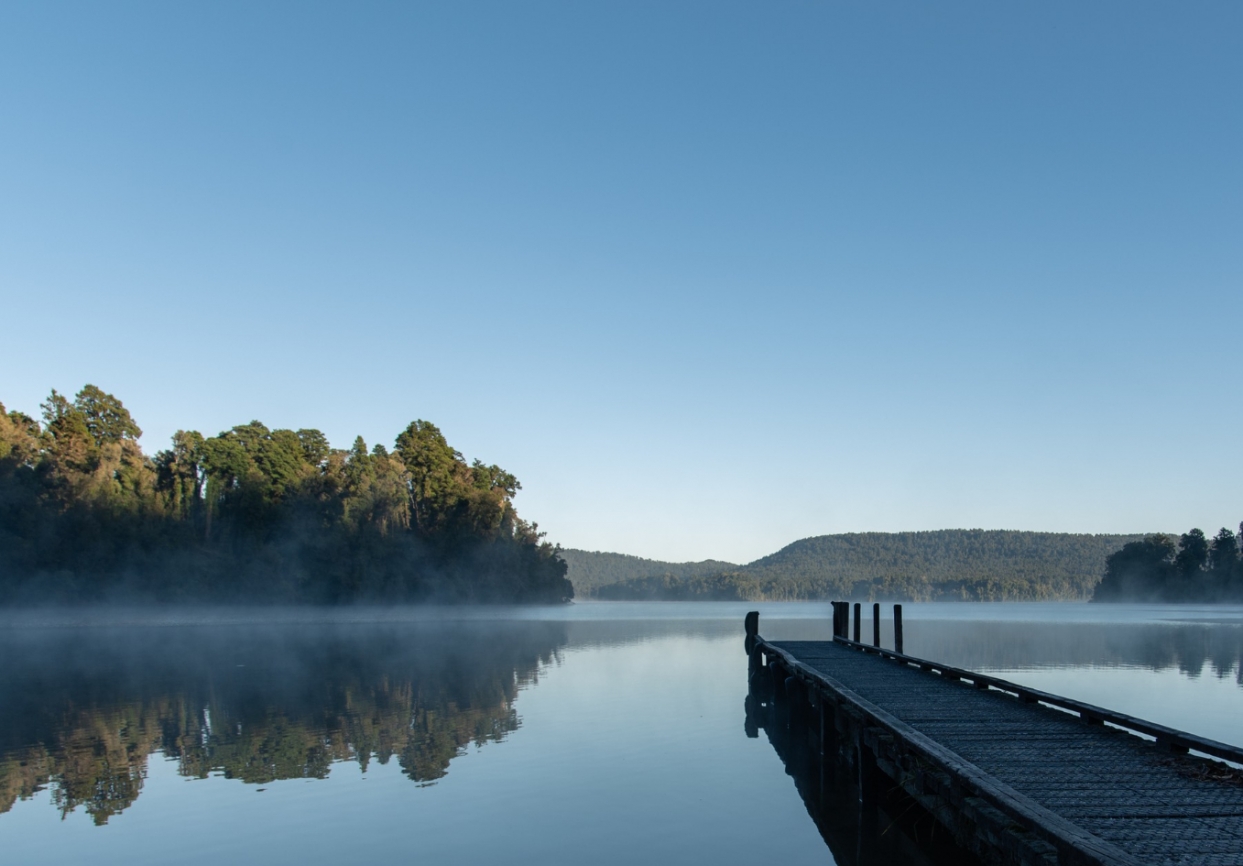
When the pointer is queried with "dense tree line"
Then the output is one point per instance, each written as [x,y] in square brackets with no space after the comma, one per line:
[943,565]
[1194,569]
[255,514]
[590,570]
[672,587]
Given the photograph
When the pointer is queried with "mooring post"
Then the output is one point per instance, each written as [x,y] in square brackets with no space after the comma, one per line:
[755,668]
[778,676]
[858,618]
[837,618]
[751,625]
[897,628]
[876,623]
[751,717]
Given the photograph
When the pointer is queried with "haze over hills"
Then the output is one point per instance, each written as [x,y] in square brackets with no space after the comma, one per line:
[948,565]
[590,570]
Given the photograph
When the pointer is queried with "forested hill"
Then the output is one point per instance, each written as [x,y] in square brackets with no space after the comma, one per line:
[255,514]
[589,570]
[946,565]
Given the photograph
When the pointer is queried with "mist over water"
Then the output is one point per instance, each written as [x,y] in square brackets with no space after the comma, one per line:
[583,733]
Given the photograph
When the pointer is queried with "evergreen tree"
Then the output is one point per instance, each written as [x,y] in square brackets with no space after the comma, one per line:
[1223,563]
[1189,563]
[106,418]
[1140,571]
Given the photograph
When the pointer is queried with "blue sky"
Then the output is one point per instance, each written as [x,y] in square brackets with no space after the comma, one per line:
[708,277]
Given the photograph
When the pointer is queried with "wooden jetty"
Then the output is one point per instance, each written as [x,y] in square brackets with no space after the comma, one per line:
[1014,775]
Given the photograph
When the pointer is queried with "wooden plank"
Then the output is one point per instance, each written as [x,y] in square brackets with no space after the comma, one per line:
[1053,827]
[1087,789]
[1167,736]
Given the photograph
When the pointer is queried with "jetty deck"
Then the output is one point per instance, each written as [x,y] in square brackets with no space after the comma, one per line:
[1016,775]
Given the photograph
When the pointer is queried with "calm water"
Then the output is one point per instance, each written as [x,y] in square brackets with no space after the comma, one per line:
[601,733]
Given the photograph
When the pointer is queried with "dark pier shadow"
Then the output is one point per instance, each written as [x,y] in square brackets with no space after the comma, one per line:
[890,829]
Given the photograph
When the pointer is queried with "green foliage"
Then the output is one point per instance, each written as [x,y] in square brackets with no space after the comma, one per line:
[945,565]
[1192,553]
[591,570]
[106,418]
[315,447]
[1141,571]
[1197,570]
[19,440]
[668,587]
[254,513]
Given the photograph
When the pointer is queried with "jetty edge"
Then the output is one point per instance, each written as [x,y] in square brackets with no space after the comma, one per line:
[1014,775]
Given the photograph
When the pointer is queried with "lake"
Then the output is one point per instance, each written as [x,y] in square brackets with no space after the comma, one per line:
[591,733]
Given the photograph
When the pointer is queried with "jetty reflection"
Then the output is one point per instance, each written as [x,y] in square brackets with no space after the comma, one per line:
[82,710]
[891,832]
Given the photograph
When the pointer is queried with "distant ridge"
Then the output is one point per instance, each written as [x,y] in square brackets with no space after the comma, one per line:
[590,569]
[947,564]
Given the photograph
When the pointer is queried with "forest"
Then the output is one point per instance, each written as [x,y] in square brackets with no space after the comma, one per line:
[1193,569]
[254,514]
[590,570]
[941,565]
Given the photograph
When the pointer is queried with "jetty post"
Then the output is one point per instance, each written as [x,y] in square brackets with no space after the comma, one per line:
[897,629]
[858,617]
[876,623]
[755,658]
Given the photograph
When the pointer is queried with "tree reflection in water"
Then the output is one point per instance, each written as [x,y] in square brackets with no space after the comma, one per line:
[1194,648]
[82,709]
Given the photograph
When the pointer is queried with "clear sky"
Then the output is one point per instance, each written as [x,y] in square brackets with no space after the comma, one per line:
[708,277]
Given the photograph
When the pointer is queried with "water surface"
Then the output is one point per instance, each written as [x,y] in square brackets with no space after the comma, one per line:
[603,733]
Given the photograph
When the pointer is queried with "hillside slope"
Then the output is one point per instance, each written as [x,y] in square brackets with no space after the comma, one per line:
[590,569]
[948,565]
